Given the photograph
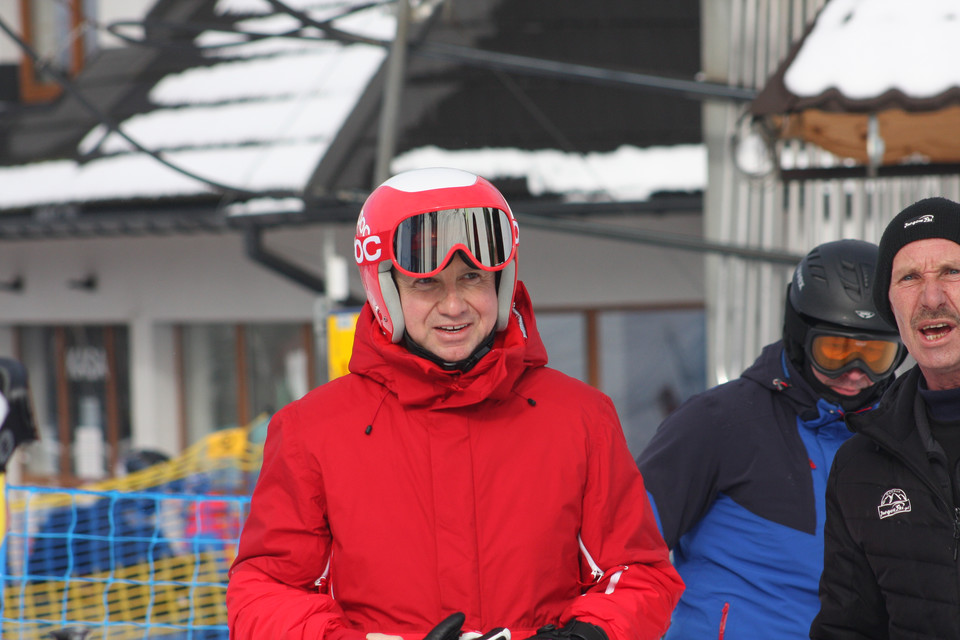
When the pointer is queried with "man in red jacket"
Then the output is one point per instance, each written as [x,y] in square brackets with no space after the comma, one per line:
[451,477]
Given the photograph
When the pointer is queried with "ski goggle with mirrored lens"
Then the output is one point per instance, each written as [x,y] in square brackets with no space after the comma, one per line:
[423,244]
[834,353]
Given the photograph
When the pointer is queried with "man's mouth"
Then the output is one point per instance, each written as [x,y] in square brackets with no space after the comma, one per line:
[848,391]
[454,328]
[935,331]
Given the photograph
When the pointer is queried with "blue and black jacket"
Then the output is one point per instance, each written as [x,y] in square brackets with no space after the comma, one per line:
[736,476]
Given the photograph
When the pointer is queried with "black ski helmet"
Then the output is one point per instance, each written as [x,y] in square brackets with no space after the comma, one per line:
[832,289]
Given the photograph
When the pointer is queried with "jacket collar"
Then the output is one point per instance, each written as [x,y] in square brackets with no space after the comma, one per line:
[900,423]
[417,381]
[897,415]
[774,371]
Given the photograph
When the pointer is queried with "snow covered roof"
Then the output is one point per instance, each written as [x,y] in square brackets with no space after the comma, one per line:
[889,59]
[627,173]
[257,118]
[260,114]
[865,48]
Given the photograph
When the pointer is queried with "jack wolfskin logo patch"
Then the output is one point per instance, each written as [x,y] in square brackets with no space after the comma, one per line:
[893,502]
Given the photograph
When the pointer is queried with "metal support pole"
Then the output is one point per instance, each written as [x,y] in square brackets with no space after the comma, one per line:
[393,88]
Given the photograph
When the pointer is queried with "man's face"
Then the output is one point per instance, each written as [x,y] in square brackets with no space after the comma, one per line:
[848,383]
[925,298]
[451,313]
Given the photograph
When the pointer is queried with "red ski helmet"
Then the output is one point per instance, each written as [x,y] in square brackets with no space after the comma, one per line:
[417,220]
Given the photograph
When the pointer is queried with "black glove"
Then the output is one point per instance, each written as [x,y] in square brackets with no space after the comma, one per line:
[452,627]
[16,424]
[448,629]
[573,630]
[70,633]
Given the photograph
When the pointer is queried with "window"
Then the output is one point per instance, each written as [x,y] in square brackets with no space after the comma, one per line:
[232,374]
[647,361]
[278,369]
[209,379]
[79,375]
[56,31]
[565,337]
[650,362]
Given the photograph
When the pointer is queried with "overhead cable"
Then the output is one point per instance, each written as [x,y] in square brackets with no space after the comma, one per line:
[108,122]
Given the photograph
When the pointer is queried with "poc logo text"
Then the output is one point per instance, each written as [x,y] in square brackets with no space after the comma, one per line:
[366,248]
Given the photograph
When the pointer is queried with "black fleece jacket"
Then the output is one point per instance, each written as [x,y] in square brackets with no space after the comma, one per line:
[891,568]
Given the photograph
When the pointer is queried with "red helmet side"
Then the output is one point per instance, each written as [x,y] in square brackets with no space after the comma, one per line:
[409,194]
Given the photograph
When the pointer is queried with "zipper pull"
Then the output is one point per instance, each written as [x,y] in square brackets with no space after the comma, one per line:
[723,619]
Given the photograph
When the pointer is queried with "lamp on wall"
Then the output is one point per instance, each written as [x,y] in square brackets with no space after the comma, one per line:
[13,285]
[88,283]
[754,149]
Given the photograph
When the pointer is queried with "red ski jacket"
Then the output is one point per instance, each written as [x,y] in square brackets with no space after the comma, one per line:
[400,493]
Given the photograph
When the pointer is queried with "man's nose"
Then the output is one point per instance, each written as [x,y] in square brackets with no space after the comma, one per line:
[452,301]
[856,375]
[933,294]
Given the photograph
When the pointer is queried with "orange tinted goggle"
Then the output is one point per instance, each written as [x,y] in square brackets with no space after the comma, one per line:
[834,354]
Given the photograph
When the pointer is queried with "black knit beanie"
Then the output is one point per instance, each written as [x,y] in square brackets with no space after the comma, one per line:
[928,218]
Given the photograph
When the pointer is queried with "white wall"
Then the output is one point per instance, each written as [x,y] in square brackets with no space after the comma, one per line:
[205,278]
[151,283]
[563,269]
[163,279]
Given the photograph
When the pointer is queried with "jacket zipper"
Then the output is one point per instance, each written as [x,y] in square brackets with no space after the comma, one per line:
[323,583]
[947,502]
[879,437]
[595,571]
[920,475]
[956,531]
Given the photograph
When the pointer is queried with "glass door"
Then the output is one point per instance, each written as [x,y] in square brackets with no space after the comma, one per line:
[79,378]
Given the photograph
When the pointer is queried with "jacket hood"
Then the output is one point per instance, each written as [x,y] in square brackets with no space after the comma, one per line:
[774,371]
[417,381]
